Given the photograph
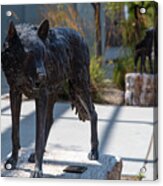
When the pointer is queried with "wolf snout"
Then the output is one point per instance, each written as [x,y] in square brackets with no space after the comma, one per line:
[40,77]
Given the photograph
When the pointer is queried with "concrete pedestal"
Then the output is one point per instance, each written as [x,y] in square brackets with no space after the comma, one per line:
[107,167]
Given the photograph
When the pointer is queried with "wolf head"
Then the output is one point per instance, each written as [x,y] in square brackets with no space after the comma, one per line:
[24,52]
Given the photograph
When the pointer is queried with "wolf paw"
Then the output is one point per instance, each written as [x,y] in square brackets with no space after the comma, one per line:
[93,155]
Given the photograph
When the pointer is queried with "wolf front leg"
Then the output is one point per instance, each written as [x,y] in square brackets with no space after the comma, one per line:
[49,122]
[15,102]
[41,108]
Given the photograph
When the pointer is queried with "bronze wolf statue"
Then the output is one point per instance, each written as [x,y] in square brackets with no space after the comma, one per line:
[143,49]
[36,61]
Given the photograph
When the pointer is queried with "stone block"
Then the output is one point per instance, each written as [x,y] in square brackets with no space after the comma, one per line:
[141,89]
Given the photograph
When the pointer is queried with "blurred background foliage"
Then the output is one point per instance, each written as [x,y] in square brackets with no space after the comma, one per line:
[132,24]
[127,21]
[64,15]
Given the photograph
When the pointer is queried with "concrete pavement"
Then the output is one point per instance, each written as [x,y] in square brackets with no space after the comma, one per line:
[123,131]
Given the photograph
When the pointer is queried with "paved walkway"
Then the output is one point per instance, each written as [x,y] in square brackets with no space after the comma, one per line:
[123,131]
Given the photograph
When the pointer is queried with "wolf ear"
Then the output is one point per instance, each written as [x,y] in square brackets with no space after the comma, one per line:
[43,29]
[11,31]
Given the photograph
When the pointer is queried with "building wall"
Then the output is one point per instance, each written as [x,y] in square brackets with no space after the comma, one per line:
[24,14]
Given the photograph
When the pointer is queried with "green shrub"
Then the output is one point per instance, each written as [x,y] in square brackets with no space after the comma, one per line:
[122,66]
[97,75]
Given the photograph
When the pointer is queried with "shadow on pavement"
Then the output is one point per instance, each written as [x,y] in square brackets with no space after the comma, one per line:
[108,129]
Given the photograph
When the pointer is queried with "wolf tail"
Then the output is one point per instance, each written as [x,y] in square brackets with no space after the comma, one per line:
[76,104]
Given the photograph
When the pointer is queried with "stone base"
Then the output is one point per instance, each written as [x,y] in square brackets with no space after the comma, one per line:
[107,167]
[141,89]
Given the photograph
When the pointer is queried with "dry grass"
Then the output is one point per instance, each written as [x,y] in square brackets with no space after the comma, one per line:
[113,96]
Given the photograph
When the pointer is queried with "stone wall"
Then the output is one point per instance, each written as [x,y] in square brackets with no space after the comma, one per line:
[141,89]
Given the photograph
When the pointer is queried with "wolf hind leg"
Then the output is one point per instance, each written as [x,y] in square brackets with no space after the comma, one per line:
[87,104]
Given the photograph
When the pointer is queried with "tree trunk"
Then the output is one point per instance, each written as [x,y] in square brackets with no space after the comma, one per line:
[96,7]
